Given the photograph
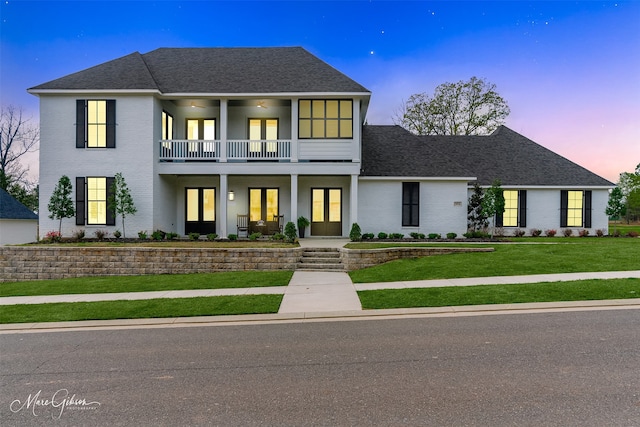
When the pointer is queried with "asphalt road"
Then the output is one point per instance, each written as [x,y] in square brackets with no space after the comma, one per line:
[568,369]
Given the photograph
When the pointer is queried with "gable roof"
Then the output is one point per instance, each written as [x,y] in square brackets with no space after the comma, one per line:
[10,208]
[212,70]
[505,155]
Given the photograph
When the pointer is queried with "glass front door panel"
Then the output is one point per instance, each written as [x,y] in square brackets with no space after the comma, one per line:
[326,212]
[200,210]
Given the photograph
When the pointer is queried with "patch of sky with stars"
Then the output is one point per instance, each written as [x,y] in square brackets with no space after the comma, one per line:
[570,70]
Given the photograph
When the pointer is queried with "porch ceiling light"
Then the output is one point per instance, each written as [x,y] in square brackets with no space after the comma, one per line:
[232,195]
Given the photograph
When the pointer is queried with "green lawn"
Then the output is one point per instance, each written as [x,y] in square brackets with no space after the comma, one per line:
[582,290]
[93,285]
[527,256]
[139,309]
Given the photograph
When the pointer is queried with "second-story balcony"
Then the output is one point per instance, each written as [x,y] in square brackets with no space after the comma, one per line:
[180,150]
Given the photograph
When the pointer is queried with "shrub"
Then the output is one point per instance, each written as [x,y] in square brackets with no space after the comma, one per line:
[278,236]
[434,236]
[396,236]
[171,236]
[212,236]
[451,236]
[158,235]
[382,235]
[583,233]
[633,234]
[355,235]
[518,232]
[290,232]
[616,233]
[535,232]
[142,235]
[567,232]
[100,234]
[417,235]
[52,237]
[550,233]
[600,232]
[368,236]
[78,234]
[117,234]
[476,235]
[194,236]
[498,231]
[233,237]
[255,236]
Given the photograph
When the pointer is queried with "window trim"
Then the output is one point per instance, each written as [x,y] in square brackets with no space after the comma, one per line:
[82,201]
[522,211]
[586,209]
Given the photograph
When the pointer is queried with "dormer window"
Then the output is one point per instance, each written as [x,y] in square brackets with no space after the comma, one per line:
[325,118]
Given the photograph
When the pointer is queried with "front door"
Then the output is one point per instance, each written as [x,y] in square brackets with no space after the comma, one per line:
[263,207]
[326,214]
[200,211]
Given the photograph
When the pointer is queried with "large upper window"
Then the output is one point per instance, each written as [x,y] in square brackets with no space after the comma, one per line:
[510,215]
[325,118]
[95,123]
[201,129]
[410,204]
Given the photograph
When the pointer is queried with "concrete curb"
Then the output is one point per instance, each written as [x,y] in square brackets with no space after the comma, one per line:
[304,317]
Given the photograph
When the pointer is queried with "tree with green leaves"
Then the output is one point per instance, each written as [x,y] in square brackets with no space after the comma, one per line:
[471,107]
[120,200]
[60,204]
[26,196]
[476,220]
[616,207]
[493,202]
[629,184]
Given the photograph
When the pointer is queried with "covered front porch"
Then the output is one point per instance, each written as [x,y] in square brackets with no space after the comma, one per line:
[228,204]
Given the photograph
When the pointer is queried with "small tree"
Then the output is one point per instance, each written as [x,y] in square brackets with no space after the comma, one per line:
[120,200]
[290,232]
[616,208]
[476,220]
[60,204]
[493,202]
[356,234]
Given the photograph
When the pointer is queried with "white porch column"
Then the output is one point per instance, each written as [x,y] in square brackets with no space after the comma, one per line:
[222,213]
[294,131]
[294,199]
[353,200]
[224,122]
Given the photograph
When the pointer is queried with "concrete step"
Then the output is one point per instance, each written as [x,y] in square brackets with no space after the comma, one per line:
[320,259]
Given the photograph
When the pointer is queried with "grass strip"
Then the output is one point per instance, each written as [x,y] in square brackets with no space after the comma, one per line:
[569,255]
[579,290]
[140,309]
[163,282]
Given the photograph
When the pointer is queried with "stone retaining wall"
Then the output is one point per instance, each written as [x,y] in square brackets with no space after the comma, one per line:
[20,263]
[355,259]
[42,263]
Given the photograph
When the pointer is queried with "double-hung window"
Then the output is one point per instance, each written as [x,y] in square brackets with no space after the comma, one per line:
[410,204]
[325,118]
[575,208]
[93,200]
[515,209]
[95,123]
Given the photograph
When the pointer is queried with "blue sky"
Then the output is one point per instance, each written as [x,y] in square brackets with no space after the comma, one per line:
[570,71]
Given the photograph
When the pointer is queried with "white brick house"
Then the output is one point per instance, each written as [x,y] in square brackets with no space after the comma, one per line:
[204,135]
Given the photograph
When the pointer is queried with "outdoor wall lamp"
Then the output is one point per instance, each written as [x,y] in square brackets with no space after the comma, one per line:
[232,195]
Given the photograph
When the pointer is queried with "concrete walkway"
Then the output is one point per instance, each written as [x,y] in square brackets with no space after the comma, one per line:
[311,291]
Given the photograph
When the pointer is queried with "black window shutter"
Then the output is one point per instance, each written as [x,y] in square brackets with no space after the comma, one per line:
[564,207]
[587,209]
[410,204]
[522,208]
[111,214]
[415,209]
[80,200]
[499,219]
[80,123]
[111,123]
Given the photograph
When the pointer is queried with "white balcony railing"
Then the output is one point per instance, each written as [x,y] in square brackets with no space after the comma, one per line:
[182,149]
[209,151]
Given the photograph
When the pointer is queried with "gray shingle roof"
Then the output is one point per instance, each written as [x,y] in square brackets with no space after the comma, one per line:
[10,208]
[504,155]
[213,70]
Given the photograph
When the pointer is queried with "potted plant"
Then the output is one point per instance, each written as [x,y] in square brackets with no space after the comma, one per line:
[303,223]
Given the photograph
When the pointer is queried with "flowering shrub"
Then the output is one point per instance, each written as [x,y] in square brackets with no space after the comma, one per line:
[583,233]
[52,237]
[550,233]
[518,232]
[535,232]
[567,232]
